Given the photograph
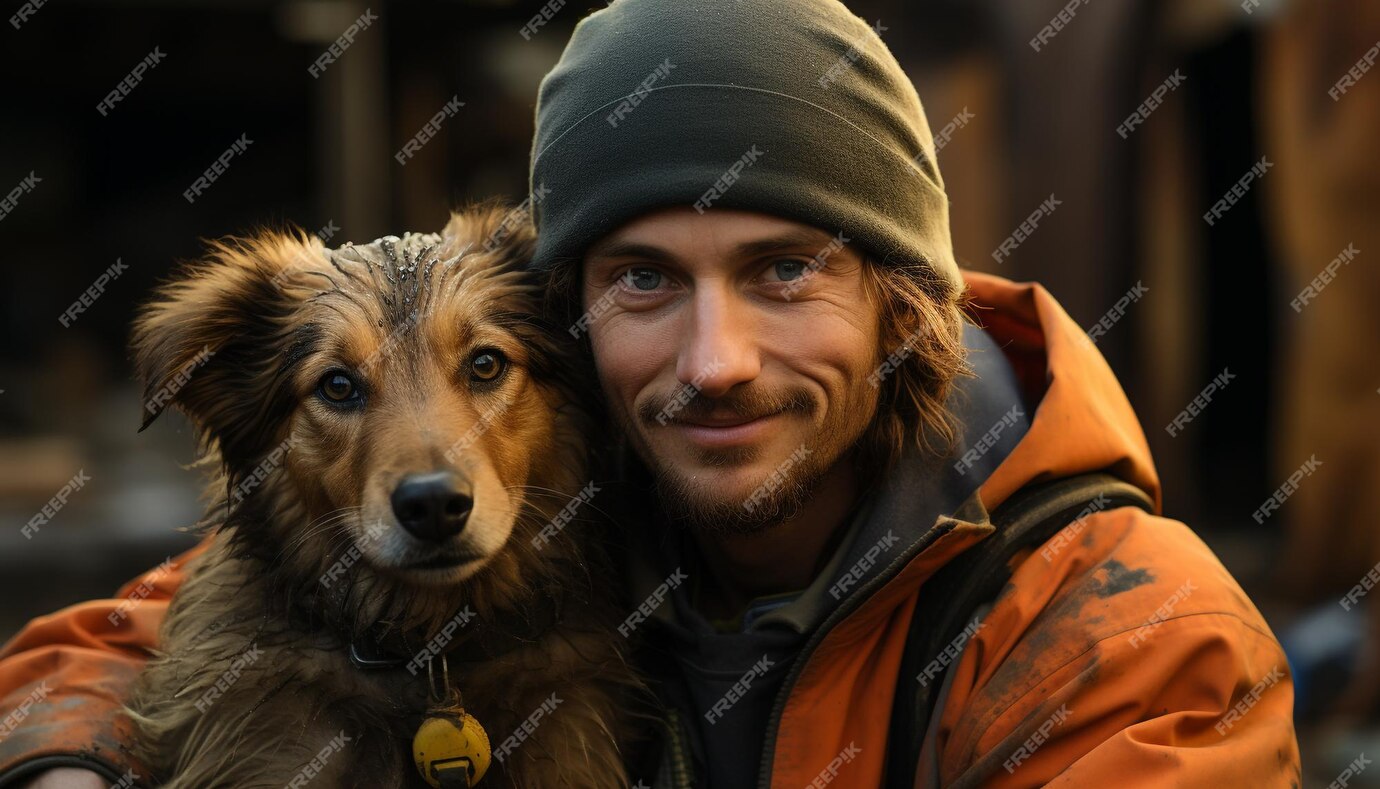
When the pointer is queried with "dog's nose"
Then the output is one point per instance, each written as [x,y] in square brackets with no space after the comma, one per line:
[431,506]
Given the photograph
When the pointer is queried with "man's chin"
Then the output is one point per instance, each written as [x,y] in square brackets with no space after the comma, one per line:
[729,500]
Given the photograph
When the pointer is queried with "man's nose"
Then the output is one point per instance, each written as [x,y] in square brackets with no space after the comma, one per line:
[720,348]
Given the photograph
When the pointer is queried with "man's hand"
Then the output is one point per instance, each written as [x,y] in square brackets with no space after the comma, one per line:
[67,778]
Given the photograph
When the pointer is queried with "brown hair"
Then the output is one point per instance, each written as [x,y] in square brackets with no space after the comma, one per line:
[921,315]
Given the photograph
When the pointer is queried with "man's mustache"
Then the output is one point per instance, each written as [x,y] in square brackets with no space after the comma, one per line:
[687,404]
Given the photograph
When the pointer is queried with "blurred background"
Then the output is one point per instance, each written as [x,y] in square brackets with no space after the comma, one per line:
[1213,166]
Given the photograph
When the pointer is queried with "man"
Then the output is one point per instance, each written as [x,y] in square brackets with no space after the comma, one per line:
[743,219]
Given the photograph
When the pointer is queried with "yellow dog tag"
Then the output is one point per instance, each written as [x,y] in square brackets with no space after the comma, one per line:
[445,746]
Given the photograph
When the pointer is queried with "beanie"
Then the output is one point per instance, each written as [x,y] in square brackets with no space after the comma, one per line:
[790,107]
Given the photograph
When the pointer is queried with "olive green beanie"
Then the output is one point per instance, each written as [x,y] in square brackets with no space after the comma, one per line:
[790,107]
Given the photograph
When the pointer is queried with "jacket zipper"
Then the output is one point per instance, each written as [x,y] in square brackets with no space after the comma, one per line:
[841,612]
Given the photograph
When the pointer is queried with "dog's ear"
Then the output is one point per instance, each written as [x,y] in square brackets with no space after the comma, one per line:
[493,227]
[213,340]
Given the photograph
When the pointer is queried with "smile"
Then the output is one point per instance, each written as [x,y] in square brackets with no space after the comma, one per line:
[726,435]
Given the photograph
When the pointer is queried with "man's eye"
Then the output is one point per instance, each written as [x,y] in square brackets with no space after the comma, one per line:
[788,269]
[643,278]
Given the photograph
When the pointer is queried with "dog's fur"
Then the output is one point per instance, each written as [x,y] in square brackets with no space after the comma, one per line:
[308,554]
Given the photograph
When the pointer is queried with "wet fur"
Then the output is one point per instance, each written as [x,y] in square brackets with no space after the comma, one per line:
[274,310]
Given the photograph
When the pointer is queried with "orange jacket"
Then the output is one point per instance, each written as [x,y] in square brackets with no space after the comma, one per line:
[1122,655]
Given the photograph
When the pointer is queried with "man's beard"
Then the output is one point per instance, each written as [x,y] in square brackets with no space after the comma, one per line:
[780,497]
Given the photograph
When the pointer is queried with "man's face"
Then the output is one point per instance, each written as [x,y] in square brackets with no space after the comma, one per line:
[766,322]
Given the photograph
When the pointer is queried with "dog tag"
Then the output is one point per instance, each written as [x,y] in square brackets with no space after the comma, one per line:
[450,747]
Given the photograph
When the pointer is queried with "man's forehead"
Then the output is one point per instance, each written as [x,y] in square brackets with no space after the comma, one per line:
[732,231]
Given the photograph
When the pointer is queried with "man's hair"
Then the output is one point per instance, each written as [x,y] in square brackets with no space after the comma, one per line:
[921,317]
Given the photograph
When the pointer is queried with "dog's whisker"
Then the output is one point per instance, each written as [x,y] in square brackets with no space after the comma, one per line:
[558,495]
[317,526]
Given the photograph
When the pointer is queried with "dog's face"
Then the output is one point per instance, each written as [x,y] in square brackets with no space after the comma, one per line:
[386,413]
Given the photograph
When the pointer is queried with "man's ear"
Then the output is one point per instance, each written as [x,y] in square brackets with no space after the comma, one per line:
[213,339]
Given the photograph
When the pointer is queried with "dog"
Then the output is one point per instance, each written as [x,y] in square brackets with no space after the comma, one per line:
[399,450]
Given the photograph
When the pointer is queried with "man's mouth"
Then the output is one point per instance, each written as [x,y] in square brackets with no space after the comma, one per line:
[728,430]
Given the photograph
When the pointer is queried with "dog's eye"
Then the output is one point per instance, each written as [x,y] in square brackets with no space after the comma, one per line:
[337,387]
[487,365]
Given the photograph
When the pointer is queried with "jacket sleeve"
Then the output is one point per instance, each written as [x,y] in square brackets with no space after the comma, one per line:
[1130,657]
[65,676]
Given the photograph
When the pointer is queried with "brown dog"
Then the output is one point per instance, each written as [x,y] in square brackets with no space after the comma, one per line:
[400,441]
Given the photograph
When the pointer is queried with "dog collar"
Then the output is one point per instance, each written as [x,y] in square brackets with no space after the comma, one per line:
[384,653]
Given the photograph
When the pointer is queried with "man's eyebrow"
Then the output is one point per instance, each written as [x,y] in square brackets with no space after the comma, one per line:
[791,239]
